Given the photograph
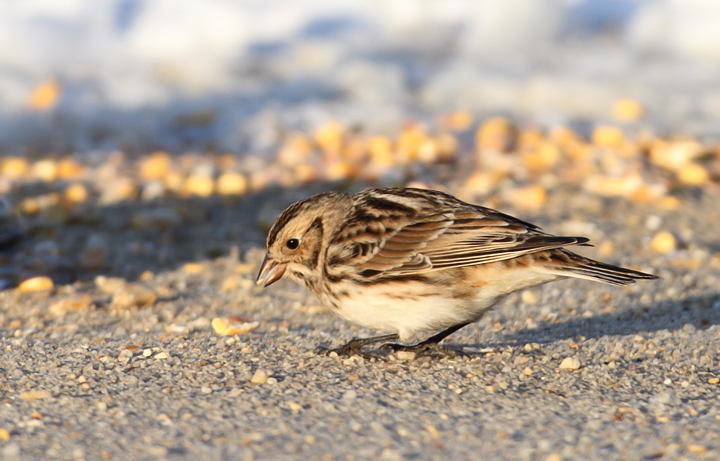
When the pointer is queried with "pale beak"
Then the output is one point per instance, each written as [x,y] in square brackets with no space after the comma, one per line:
[270,271]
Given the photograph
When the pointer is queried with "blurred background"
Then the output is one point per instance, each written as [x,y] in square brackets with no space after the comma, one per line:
[137,135]
[82,75]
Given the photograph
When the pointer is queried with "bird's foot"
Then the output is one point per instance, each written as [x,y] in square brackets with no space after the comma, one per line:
[355,346]
[426,348]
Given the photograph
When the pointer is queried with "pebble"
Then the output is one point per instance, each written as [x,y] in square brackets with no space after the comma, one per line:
[696,448]
[194,268]
[4,435]
[570,363]
[76,193]
[156,166]
[75,303]
[231,183]
[35,395]
[45,170]
[627,110]
[133,296]
[528,297]
[117,190]
[329,137]
[527,198]
[495,134]
[14,167]
[45,96]
[607,136]
[663,242]
[161,356]
[260,377]
[202,186]
[693,174]
[205,390]
[41,283]
[406,355]
[109,285]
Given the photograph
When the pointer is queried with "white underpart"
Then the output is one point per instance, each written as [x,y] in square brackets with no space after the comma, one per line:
[414,307]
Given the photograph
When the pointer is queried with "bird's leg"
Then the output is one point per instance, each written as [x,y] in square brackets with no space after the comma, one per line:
[355,345]
[431,344]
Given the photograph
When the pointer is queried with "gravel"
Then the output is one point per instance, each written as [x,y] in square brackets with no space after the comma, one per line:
[577,370]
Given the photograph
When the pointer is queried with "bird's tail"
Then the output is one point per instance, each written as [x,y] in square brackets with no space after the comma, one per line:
[572,265]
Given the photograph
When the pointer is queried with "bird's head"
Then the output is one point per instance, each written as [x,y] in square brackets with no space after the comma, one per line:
[296,240]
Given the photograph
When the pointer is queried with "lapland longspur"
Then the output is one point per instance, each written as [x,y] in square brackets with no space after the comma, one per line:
[409,260]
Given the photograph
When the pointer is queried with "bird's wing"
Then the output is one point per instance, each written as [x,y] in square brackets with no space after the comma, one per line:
[435,237]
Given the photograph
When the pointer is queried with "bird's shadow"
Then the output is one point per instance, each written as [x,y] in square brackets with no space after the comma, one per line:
[700,311]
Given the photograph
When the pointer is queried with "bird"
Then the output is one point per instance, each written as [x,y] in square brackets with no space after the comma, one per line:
[410,261]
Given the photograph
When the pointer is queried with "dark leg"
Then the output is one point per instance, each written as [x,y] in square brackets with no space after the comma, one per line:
[354,346]
[431,344]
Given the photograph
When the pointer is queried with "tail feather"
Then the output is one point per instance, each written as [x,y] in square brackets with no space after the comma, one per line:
[580,267]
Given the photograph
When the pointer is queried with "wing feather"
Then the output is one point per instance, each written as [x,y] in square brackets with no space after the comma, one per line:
[434,231]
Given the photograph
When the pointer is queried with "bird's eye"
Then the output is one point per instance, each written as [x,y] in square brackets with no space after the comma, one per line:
[292,244]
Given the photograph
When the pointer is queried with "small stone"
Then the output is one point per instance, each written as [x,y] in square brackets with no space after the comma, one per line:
[409,141]
[696,448]
[663,242]
[45,170]
[4,435]
[294,406]
[72,304]
[607,186]
[329,137]
[76,193]
[495,134]
[202,186]
[608,136]
[226,328]
[36,284]
[35,395]
[161,356]
[260,377]
[14,167]
[713,380]
[206,390]
[156,166]
[193,268]
[71,170]
[153,189]
[133,296]
[109,285]
[692,174]
[627,110]
[381,152]
[45,96]
[146,276]
[231,183]
[528,297]
[457,121]
[570,363]
[554,457]
[543,158]
[406,355]
[118,190]
[527,198]
[147,353]
[481,183]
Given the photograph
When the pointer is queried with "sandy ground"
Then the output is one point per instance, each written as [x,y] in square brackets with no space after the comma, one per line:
[108,379]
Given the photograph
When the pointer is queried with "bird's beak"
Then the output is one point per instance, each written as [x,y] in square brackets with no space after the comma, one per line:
[270,271]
